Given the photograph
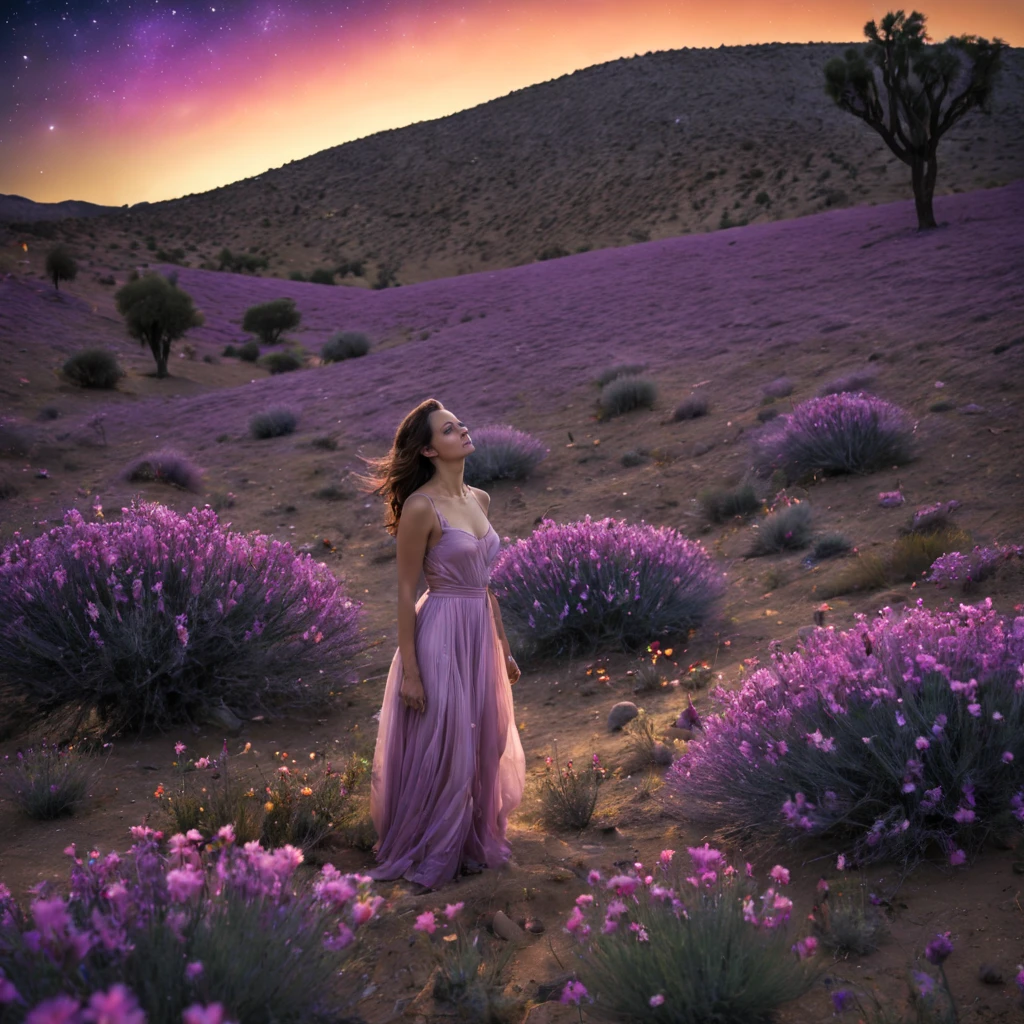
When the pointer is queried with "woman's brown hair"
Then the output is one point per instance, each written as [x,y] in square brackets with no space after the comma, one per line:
[405,468]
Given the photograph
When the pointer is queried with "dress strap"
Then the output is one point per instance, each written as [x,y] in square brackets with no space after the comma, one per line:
[440,517]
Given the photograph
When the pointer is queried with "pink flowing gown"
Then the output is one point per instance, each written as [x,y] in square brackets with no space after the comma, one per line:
[445,780]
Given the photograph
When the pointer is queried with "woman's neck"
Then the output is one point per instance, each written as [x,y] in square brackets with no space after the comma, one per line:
[449,483]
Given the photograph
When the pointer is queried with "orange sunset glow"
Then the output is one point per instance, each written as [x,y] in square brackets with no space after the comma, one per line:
[258,100]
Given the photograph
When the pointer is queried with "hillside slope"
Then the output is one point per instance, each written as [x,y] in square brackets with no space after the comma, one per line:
[643,148]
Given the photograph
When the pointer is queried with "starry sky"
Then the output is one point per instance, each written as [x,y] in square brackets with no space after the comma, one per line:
[119,101]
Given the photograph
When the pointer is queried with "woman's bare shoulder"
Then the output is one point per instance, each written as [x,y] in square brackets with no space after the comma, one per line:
[483,497]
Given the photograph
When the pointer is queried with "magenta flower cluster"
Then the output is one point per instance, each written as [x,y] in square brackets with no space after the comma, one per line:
[637,921]
[152,618]
[840,433]
[503,453]
[74,959]
[604,584]
[964,569]
[901,734]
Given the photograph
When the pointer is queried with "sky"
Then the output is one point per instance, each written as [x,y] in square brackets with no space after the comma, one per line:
[122,101]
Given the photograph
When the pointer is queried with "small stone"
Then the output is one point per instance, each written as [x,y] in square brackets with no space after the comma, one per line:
[700,448]
[972,409]
[505,928]
[989,974]
[661,754]
[534,925]
[224,718]
[623,712]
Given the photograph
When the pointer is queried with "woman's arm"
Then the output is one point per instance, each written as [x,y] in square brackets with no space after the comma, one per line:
[414,529]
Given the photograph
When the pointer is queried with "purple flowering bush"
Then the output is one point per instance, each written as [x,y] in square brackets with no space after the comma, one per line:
[502,453]
[901,736]
[603,583]
[965,569]
[157,618]
[841,433]
[688,945]
[171,927]
[164,467]
[47,781]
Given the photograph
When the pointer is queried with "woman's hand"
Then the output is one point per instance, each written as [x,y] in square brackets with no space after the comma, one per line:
[512,668]
[412,693]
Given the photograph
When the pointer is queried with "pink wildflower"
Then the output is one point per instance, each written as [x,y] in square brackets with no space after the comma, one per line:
[426,922]
[184,883]
[179,748]
[922,743]
[574,992]
[593,877]
[841,862]
[806,947]
[59,1010]
[956,858]
[199,1014]
[452,910]
[665,857]
[193,970]
[656,1000]
[624,885]
[8,993]
[780,874]
[116,1006]
[575,921]
[1007,757]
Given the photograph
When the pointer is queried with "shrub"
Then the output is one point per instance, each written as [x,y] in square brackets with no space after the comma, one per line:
[788,529]
[865,572]
[932,518]
[913,554]
[153,929]
[47,781]
[633,457]
[322,275]
[502,453]
[93,368]
[604,583]
[345,345]
[841,433]
[240,262]
[620,370]
[157,312]
[165,467]
[60,265]
[230,352]
[769,412]
[847,921]
[159,618]
[357,268]
[297,275]
[831,546]
[276,422]
[722,503]
[624,394]
[282,362]
[860,380]
[781,387]
[568,795]
[648,677]
[655,945]
[248,352]
[902,735]
[298,805]
[969,568]
[691,408]
[8,489]
[269,320]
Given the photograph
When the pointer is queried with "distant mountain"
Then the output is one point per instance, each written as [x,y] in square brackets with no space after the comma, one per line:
[642,148]
[18,209]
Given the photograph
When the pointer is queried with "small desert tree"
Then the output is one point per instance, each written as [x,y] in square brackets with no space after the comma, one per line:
[912,92]
[60,266]
[269,320]
[158,313]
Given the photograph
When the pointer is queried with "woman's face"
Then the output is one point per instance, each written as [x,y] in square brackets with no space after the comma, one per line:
[450,438]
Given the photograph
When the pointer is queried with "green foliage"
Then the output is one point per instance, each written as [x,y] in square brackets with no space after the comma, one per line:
[633,457]
[47,782]
[60,265]
[690,408]
[912,554]
[624,394]
[846,921]
[282,362]
[387,276]
[569,795]
[276,422]
[322,275]
[912,92]
[345,345]
[357,268]
[158,313]
[269,320]
[619,370]
[788,529]
[865,572]
[296,275]
[240,262]
[831,546]
[93,368]
[722,503]
[249,352]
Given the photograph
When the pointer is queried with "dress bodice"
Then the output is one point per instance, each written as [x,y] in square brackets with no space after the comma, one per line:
[460,558]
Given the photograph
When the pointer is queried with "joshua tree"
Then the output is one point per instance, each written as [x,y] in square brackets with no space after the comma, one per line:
[269,320]
[912,91]
[60,266]
[157,312]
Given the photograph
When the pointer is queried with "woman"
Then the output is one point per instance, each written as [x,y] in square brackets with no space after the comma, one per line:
[448,767]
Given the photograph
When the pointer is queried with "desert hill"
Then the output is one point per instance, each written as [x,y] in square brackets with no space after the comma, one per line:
[19,209]
[649,147]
